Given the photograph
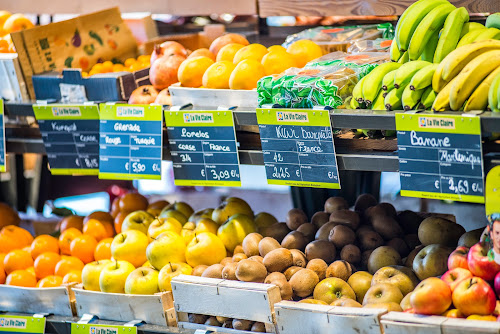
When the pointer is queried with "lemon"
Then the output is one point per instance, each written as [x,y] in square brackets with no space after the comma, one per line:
[252,51]
[190,73]
[217,75]
[276,62]
[304,51]
[246,74]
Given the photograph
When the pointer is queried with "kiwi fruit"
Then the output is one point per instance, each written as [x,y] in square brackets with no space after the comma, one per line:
[226,260]
[351,253]
[291,271]
[340,269]
[321,249]
[346,302]
[320,218]
[387,227]
[294,240]
[278,260]
[346,217]
[222,319]
[228,323]
[319,267]
[370,240]
[229,271]
[409,221]
[277,231]
[390,210]
[242,325]
[212,321]
[324,231]
[412,241]
[308,230]
[364,201]
[299,258]
[250,271]
[272,277]
[263,219]
[295,218]
[374,211]
[364,258]
[238,249]
[257,258]
[281,282]
[239,256]
[400,246]
[213,271]
[258,327]
[335,203]
[199,269]
[303,282]
[363,229]
[342,235]
[197,318]
[251,244]
[268,244]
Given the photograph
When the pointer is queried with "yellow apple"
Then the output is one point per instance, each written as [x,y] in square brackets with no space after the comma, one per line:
[230,207]
[206,213]
[170,271]
[142,281]
[114,275]
[235,230]
[205,248]
[182,207]
[206,225]
[166,213]
[147,264]
[154,212]
[137,220]
[130,246]
[167,247]
[187,232]
[90,274]
[160,225]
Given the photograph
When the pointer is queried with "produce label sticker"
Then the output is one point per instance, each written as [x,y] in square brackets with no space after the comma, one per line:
[130,142]
[440,157]
[2,141]
[102,329]
[298,148]
[21,324]
[70,135]
[203,148]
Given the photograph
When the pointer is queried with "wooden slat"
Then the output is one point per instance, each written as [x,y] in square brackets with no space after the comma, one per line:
[364,7]
[405,323]
[463,326]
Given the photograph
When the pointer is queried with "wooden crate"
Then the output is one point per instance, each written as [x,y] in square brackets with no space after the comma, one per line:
[153,309]
[36,300]
[406,323]
[462,326]
[218,297]
[204,97]
[299,318]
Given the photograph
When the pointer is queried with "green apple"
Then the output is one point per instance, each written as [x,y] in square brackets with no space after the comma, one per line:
[205,248]
[402,277]
[130,246]
[360,282]
[182,207]
[167,247]
[235,230]
[264,219]
[142,281]
[431,261]
[383,293]
[206,225]
[206,213]
[160,225]
[137,220]
[91,272]
[230,207]
[333,288]
[170,213]
[170,271]
[114,275]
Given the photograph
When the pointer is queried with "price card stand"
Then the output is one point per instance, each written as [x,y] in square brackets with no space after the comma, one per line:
[70,134]
[2,138]
[203,148]
[298,148]
[90,328]
[22,324]
[130,142]
[440,156]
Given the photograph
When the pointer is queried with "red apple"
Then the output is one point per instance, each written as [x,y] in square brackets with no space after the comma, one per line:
[455,276]
[458,259]
[166,49]
[496,284]
[474,296]
[431,296]
[163,71]
[143,95]
[479,263]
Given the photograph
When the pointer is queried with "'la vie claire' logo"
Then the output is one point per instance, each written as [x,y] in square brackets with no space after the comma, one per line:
[12,323]
[288,116]
[436,123]
[103,330]
[65,111]
[129,112]
[198,118]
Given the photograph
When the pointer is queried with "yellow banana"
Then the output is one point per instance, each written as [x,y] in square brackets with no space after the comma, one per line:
[469,37]
[442,101]
[470,26]
[479,98]
[451,33]
[490,33]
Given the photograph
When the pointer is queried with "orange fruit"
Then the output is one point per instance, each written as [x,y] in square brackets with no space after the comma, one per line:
[228,51]
[21,278]
[4,15]
[119,220]
[44,243]
[107,66]
[50,282]
[2,274]
[221,41]
[4,46]
[71,221]
[74,276]
[100,216]
[133,202]
[9,215]
[103,249]
[67,264]
[217,75]
[45,264]
[190,73]
[7,244]
[27,249]
[304,51]
[95,228]
[144,58]
[246,74]
[65,239]
[203,52]
[20,234]
[276,48]
[118,68]
[276,62]
[129,62]
[2,257]
[252,51]
[17,260]
[31,270]
[83,247]
[17,22]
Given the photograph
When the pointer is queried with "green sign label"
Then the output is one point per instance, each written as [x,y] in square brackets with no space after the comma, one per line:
[21,324]
[493,193]
[102,329]
[130,142]
[440,157]
[298,148]
[203,148]
[2,139]
[70,134]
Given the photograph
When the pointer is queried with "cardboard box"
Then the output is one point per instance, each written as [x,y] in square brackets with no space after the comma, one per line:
[12,86]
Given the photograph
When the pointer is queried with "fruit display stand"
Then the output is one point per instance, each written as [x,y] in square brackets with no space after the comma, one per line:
[225,298]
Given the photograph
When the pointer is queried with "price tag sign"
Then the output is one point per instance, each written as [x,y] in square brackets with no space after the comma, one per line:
[70,135]
[492,204]
[130,142]
[21,324]
[2,139]
[102,329]
[440,157]
[298,148]
[203,148]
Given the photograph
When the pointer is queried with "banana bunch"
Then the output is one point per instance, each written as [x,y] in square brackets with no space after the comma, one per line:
[466,77]
[494,92]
